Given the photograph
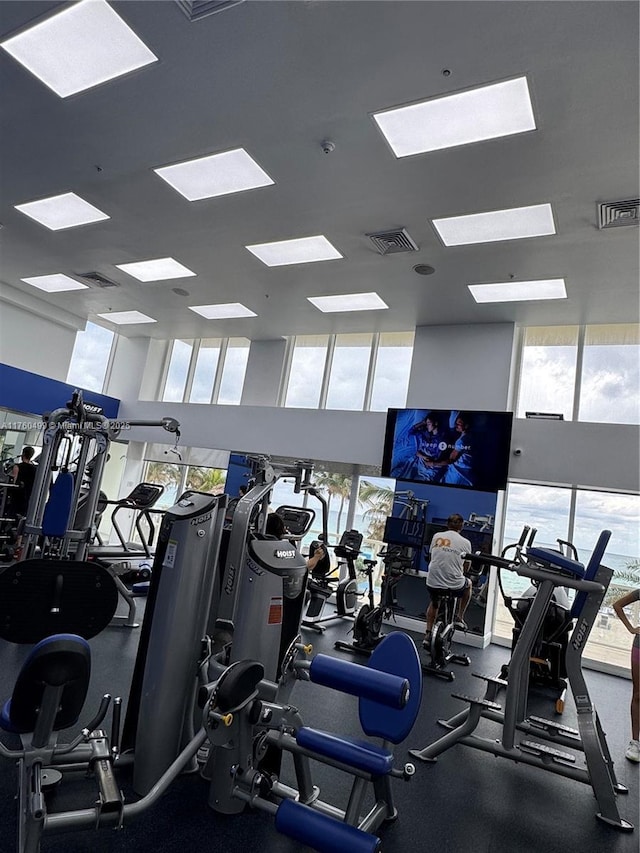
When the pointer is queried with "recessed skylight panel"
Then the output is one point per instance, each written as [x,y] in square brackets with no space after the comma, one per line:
[80,47]
[127,318]
[514,224]
[223,311]
[488,112]
[304,250]
[219,174]
[56,283]
[519,291]
[62,211]
[348,302]
[159,269]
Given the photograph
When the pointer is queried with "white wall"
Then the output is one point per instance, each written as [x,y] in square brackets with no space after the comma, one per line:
[351,437]
[36,336]
[462,367]
[264,371]
[128,363]
[580,454]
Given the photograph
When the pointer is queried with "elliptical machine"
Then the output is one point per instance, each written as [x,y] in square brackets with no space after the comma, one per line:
[322,581]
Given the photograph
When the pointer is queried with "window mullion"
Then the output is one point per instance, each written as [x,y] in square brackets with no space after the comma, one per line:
[286,371]
[191,370]
[577,389]
[165,368]
[373,355]
[224,344]
[324,389]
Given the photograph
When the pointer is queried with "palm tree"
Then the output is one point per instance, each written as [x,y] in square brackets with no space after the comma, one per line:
[335,485]
[163,473]
[380,505]
[209,480]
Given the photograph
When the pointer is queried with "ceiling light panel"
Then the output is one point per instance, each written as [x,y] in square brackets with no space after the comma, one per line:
[84,45]
[62,211]
[220,174]
[223,311]
[348,302]
[160,269]
[56,283]
[514,224]
[305,250]
[126,318]
[501,109]
[519,291]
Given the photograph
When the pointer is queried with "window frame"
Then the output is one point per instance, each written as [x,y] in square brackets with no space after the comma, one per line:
[196,344]
[328,365]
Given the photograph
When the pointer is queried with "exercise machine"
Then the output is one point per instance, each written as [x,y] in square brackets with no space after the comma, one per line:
[252,595]
[547,668]
[325,581]
[442,634]
[60,520]
[549,751]
[48,696]
[404,536]
[245,729]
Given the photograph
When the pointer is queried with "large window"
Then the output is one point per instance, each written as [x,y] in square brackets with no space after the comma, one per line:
[306,371]
[349,372]
[392,369]
[353,372]
[578,516]
[205,371]
[210,370]
[233,371]
[589,373]
[178,371]
[90,358]
[611,375]
[548,373]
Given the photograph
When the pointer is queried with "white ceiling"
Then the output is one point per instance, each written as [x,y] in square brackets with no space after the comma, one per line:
[278,78]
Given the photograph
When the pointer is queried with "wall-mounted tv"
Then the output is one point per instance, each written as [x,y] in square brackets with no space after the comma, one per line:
[448,447]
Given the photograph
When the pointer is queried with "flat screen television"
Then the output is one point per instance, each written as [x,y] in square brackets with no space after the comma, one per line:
[448,447]
[481,540]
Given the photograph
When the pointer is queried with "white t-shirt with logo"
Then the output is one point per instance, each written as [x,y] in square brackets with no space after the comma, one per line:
[446,563]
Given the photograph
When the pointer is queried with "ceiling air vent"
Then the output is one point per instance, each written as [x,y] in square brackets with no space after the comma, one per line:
[94,279]
[390,242]
[614,214]
[195,10]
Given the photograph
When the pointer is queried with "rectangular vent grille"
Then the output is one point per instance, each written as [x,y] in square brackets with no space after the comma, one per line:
[390,242]
[614,214]
[195,10]
[97,280]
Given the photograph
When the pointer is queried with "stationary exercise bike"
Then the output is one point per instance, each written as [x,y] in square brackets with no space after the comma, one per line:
[322,582]
[442,635]
[367,627]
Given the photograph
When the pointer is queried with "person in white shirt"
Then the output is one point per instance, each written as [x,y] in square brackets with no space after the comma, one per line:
[447,572]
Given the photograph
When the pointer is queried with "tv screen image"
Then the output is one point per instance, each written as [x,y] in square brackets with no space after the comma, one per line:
[448,447]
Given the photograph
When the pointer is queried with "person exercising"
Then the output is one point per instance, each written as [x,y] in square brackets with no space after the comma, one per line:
[446,572]
[24,474]
[275,526]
